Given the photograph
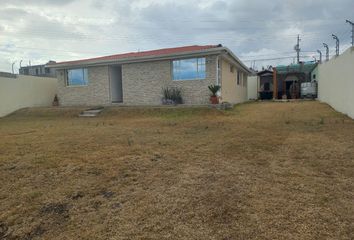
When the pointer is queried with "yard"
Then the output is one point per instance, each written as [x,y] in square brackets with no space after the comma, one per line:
[260,171]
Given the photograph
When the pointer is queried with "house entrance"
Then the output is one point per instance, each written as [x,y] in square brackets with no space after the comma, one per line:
[116,84]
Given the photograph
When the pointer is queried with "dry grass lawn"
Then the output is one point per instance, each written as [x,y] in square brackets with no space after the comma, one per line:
[259,171]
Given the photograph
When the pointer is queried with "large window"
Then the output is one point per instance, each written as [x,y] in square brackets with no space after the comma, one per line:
[189,69]
[77,77]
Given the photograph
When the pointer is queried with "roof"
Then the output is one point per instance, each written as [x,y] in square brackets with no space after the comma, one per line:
[265,72]
[39,65]
[304,67]
[148,56]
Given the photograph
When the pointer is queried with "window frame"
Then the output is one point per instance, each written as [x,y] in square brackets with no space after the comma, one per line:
[232,68]
[83,74]
[238,78]
[197,68]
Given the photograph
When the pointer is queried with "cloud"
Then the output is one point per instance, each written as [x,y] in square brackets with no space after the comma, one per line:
[36,2]
[41,30]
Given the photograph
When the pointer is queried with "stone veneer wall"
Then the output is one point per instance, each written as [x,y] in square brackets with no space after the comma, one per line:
[97,92]
[143,83]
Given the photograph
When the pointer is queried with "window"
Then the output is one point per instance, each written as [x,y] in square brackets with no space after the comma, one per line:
[232,69]
[77,77]
[238,78]
[189,69]
[314,76]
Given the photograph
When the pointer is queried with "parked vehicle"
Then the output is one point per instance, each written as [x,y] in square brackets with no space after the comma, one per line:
[309,90]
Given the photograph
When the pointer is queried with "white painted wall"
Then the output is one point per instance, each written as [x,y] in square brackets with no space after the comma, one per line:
[231,91]
[336,82]
[252,87]
[25,91]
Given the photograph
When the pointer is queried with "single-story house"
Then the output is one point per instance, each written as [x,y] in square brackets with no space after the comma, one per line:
[138,78]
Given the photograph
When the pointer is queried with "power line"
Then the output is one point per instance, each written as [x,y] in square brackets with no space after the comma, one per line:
[279,58]
[145,36]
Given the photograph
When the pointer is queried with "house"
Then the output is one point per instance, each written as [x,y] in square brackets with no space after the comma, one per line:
[138,78]
[38,70]
[287,79]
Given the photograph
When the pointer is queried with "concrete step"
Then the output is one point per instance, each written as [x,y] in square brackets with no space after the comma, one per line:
[91,112]
[87,115]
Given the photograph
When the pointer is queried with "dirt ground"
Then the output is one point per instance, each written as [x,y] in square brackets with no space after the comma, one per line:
[260,171]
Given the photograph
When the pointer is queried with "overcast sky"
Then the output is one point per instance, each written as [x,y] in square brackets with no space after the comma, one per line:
[42,30]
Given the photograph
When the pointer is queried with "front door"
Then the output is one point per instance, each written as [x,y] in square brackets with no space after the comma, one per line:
[116,84]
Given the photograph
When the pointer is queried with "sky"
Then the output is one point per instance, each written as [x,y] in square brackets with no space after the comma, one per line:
[261,33]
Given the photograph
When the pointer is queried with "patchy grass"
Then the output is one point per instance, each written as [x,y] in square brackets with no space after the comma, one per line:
[259,171]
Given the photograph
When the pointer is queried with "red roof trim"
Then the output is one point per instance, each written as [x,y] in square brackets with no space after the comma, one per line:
[152,53]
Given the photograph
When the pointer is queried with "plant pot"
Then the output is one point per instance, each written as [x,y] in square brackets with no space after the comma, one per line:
[214,100]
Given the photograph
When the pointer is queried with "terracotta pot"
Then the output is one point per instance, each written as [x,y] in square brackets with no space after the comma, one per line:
[214,100]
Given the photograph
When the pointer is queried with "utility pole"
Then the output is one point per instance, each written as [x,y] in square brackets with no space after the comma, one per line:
[320,55]
[297,48]
[327,51]
[351,23]
[337,44]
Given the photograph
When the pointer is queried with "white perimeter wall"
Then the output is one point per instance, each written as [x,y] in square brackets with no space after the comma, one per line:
[336,82]
[25,91]
[252,87]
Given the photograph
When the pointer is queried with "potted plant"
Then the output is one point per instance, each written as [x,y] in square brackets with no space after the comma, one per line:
[214,89]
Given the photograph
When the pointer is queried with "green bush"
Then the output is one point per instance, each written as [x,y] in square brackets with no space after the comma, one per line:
[172,95]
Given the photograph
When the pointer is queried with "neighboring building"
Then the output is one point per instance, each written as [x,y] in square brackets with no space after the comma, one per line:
[265,89]
[138,78]
[38,70]
[314,74]
[252,85]
[287,79]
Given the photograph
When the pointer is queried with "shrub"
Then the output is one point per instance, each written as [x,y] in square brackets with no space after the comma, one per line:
[214,89]
[172,96]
